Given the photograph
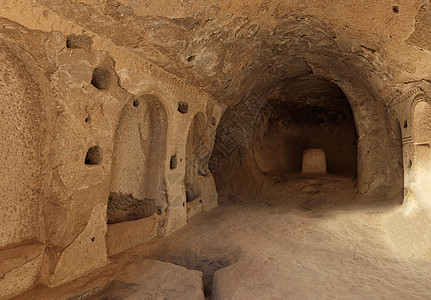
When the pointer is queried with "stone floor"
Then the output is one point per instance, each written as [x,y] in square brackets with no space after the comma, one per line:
[270,248]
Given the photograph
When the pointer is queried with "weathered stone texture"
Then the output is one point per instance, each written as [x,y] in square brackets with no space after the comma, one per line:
[121,120]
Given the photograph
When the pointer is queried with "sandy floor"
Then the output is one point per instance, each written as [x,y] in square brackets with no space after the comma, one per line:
[276,248]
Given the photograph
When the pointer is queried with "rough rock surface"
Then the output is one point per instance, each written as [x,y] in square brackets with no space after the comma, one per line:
[66,91]
[307,244]
[136,279]
[188,102]
[20,268]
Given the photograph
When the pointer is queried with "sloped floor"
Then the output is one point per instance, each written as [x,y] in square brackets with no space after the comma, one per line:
[308,246]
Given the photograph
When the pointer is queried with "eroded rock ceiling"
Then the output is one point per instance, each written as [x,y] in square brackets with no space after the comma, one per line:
[228,48]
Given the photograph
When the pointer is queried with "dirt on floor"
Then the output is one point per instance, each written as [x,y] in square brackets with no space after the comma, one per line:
[316,244]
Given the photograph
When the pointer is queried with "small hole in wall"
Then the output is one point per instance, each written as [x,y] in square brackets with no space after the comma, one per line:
[101,78]
[87,120]
[214,121]
[190,58]
[183,107]
[405,124]
[200,201]
[173,163]
[93,239]
[94,156]
[136,103]
[79,42]
[395,9]
[184,204]
[410,163]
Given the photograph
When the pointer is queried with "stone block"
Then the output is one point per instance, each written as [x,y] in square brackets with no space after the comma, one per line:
[313,161]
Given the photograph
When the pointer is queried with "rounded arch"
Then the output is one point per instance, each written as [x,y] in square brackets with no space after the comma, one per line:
[378,168]
[309,113]
[419,110]
[422,139]
[197,155]
[137,176]
[23,137]
[156,92]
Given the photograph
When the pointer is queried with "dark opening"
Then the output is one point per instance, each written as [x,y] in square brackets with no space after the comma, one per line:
[183,107]
[192,192]
[94,156]
[311,113]
[136,103]
[101,78]
[173,163]
[125,207]
[79,42]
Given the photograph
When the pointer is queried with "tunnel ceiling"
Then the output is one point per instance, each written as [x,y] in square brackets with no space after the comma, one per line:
[309,91]
[227,48]
[308,101]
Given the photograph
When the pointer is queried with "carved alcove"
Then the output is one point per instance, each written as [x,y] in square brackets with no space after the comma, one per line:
[137,189]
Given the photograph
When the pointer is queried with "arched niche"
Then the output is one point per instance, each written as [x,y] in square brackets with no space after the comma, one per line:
[137,179]
[421,162]
[198,151]
[22,136]
[397,161]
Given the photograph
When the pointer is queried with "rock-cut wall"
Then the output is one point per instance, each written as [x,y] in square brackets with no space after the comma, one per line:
[88,129]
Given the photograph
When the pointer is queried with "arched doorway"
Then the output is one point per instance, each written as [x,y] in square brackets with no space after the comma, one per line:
[421,164]
[309,114]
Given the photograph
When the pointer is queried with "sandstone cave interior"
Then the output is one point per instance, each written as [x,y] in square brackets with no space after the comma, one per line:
[215,149]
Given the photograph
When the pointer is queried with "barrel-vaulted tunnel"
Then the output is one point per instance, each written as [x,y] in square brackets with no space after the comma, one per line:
[309,95]
[310,113]
[261,142]
[240,101]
